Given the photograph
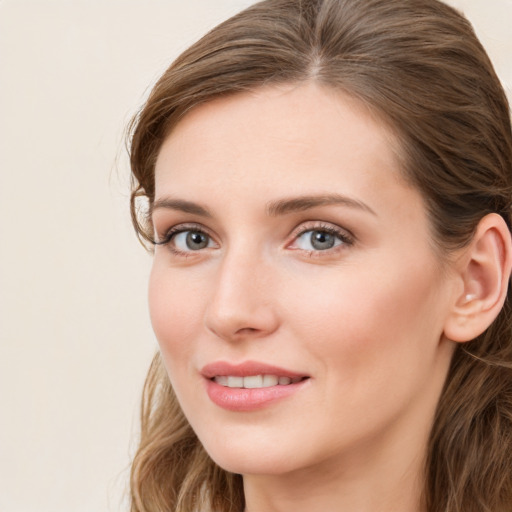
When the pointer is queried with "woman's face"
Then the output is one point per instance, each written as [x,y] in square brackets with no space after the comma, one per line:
[292,249]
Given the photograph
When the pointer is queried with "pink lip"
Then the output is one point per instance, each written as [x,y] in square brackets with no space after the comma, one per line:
[242,399]
[245,369]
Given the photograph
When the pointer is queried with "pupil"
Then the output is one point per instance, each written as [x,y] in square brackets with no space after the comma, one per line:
[322,240]
[196,241]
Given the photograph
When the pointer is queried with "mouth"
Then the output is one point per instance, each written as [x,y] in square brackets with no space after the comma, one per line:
[251,385]
[255,381]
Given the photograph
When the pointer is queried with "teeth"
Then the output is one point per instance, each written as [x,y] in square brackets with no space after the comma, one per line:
[222,380]
[254,381]
[235,382]
[270,380]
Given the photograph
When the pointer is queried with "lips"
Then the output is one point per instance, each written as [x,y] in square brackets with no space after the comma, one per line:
[222,368]
[250,385]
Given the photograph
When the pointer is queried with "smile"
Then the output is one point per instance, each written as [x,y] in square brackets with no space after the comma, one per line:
[251,385]
[254,381]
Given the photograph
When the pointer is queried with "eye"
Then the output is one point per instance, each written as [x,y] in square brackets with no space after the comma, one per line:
[321,239]
[183,240]
[191,241]
[317,240]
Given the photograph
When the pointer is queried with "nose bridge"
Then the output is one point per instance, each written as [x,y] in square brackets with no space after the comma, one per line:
[242,302]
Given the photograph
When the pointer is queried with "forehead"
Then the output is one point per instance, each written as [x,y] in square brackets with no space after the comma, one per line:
[282,140]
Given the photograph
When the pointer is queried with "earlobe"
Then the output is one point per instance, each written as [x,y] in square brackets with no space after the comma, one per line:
[484,271]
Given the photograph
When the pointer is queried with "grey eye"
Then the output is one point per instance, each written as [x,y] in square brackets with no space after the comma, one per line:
[321,240]
[317,240]
[191,241]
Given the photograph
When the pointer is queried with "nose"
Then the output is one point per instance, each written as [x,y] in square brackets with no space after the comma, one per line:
[243,304]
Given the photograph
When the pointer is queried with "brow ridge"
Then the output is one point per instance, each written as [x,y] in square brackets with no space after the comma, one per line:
[302,203]
[180,205]
[274,208]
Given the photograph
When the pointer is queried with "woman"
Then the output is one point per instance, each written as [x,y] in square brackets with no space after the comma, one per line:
[328,191]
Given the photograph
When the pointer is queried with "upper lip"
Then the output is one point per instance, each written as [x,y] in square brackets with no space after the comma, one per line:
[246,369]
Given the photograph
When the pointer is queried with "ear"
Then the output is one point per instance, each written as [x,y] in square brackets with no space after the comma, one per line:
[483,269]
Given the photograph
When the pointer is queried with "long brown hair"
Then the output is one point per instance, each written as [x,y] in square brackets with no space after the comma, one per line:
[419,66]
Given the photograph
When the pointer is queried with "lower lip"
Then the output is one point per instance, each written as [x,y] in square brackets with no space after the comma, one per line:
[245,399]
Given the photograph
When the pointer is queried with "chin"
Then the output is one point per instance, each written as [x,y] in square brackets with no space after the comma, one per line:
[246,461]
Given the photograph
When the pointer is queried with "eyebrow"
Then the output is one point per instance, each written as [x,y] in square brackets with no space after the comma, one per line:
[274,208]
[180,205]
[298,204]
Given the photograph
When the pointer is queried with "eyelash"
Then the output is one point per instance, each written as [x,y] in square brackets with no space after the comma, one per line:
[346,238]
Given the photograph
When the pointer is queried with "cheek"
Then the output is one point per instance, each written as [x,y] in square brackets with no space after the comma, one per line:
[373,339]
[369,315]
[175,307]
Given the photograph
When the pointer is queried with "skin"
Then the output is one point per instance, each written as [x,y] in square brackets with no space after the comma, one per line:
[364,319]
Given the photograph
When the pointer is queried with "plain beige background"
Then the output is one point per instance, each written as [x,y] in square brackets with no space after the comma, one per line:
[75,335]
